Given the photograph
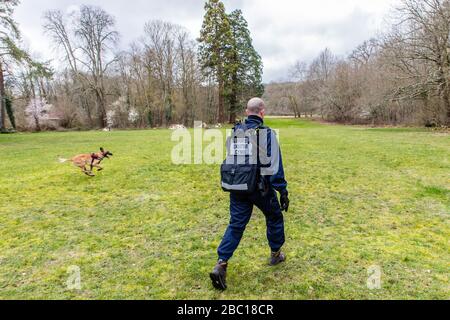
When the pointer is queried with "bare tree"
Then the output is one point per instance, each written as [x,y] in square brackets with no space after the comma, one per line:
[366,52]
[95,30]
[56,26]
[401,77]
[188,71]
[419,49]
[87,46]
[159,42]
[319,73]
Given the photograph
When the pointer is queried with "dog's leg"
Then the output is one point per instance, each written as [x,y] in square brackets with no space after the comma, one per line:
[86,172]
[98,167]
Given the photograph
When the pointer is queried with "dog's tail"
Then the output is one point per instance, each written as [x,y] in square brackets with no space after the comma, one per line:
[62,160]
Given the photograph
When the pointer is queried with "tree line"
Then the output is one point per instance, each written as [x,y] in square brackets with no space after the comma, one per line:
[399,77]
[168,77]
[164,77]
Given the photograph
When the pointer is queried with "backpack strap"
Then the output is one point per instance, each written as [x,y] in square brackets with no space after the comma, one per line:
[261,127]
[237,124]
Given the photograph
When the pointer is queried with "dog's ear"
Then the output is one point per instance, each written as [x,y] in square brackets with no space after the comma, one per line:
[102,150]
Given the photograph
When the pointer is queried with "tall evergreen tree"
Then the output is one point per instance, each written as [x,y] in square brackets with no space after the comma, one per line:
[246,80]
[216,51]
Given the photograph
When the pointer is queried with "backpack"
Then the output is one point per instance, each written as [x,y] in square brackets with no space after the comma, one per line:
[241,170]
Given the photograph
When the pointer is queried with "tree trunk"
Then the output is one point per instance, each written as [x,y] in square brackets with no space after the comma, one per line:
[233,118]
[446,98]
[221,107]
[101,110]
[448,115]
[233,111]
[2,101]
[42,90]
[234,105]
[37,124]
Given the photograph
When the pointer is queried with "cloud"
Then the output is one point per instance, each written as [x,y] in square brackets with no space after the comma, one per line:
[72,9]
[284,31]
[291,30]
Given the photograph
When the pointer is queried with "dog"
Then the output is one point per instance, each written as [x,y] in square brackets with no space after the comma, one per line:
[89,160]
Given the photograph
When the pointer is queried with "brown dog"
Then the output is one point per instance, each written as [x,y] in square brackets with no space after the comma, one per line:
[89,160]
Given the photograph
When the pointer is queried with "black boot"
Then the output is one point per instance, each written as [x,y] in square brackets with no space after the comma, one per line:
[219,275]
[277,258]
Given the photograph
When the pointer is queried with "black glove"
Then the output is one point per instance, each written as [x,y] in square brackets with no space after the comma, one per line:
[284,199]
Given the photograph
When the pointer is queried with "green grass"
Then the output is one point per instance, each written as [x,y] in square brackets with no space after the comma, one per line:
[146,229]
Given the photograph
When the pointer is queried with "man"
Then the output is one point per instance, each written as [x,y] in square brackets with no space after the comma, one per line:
[241,205]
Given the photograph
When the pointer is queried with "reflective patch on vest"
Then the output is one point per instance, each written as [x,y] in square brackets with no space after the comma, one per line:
[237,187]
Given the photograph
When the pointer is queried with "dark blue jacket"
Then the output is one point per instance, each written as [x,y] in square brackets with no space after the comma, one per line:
[278,180]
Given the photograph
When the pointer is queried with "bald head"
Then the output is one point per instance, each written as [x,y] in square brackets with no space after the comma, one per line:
[256,107]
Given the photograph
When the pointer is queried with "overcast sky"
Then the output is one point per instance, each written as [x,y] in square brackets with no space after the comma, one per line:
[284,31]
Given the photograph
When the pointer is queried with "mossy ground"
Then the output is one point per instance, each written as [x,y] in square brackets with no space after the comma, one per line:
[147,229]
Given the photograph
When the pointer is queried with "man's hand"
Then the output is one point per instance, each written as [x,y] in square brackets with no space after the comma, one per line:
[284,199]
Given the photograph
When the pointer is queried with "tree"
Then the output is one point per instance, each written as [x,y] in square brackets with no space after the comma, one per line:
[37,111]
[419,48]
[95,31]
[9,50]
[136,83]
[159,42]
[247,68]
[319,74]
[88,48]
[56,26]
[187,69]
[216,50]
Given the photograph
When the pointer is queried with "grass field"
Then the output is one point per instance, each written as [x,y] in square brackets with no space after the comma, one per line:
[146,229]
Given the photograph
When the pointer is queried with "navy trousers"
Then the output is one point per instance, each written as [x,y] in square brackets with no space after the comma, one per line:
[241,209]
